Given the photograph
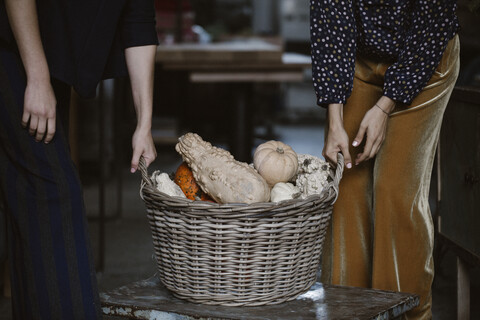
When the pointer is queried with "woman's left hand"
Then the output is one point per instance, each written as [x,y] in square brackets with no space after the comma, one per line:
[374,126]
[142,144]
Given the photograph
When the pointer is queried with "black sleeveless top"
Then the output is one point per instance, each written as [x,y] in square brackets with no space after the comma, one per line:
[84,40]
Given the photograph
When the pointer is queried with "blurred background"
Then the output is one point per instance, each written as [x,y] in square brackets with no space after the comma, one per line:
[237,72]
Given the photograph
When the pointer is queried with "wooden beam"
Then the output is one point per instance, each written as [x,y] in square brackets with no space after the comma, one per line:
[246,77]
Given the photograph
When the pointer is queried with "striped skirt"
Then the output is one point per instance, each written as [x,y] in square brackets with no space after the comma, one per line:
[51,264]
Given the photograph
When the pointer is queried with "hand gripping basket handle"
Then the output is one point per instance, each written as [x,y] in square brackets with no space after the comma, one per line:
[340,167]
[142,166]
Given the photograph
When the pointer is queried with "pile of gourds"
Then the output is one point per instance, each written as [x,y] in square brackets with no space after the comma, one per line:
[209,173]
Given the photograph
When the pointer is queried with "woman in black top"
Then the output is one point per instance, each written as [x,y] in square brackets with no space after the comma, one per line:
[46,47]
[385,70]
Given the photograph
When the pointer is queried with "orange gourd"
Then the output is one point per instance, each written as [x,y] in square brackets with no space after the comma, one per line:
[184,178]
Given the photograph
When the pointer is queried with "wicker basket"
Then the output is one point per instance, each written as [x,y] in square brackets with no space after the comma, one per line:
[238,254]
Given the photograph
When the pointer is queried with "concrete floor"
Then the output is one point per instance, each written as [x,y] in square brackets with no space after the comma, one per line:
[129,251]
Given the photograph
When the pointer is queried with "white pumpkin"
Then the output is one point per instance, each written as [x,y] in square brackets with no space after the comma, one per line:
[275,161]
[284,191]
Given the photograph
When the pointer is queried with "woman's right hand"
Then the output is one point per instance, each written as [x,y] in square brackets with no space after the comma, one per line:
[337,138]
[39,111]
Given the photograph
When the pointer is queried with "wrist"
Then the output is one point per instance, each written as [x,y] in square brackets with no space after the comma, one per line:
[143,111]
[36,67]
[386,104]
[144,119]
[145,127]
[38,77]
[335,116]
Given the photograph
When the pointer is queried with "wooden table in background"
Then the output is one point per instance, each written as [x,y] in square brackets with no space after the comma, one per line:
[242,63]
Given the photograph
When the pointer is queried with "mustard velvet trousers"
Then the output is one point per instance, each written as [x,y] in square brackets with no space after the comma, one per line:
[381,234]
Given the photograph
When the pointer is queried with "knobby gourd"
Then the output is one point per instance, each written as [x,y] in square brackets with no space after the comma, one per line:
[312,176]
[225,179]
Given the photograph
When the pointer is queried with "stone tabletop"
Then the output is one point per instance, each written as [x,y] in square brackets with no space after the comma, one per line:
[149,299]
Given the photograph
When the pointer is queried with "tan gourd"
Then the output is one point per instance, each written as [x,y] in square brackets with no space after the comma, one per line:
[225,179]
[275,161]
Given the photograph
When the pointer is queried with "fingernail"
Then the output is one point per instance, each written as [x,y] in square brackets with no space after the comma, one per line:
[355,143]
[132,170]
[349,165]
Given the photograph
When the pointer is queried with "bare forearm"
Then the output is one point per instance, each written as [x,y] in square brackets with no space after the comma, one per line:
[140,63]
[22,15]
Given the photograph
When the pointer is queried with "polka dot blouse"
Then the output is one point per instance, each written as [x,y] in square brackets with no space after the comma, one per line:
[411,34]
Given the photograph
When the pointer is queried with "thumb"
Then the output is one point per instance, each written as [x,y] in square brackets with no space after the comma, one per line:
[346,156]
[360,135]
[135,159]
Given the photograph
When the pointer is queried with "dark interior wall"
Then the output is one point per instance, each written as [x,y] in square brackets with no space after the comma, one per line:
[469,19]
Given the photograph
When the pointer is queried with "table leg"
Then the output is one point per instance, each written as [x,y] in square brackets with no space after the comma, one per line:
[463,290]
[242,135]
[102,182]
[121,103]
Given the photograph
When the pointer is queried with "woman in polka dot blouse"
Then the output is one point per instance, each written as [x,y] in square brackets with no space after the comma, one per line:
[385,70]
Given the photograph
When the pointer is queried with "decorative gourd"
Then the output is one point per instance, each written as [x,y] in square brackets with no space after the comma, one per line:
[284,191]
[167,186]
[219,174]
[275,161]
[312,176]
[184,178]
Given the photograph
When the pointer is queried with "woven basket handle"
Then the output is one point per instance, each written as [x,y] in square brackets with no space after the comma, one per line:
[340,167]
[338,174]
[142,166]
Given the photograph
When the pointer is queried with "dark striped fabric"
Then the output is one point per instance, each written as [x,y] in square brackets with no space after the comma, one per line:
[52,269]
